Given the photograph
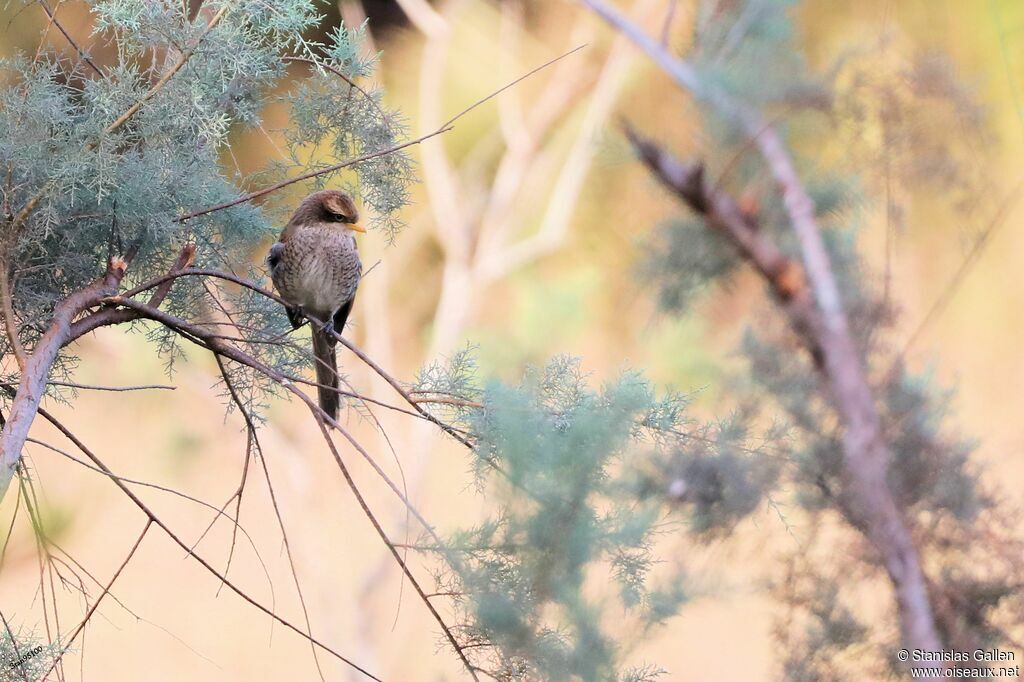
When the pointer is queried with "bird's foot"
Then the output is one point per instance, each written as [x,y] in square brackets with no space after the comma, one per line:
[328,328]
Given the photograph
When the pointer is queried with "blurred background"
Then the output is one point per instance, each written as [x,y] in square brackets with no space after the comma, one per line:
[524,239]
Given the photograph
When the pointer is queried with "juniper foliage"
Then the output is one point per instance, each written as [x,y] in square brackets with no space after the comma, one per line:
[24,656]
[122,190]
[562,578]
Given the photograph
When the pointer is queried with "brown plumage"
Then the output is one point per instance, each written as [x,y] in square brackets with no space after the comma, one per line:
[315,267]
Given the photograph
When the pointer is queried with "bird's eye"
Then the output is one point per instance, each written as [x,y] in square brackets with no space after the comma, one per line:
[339,218]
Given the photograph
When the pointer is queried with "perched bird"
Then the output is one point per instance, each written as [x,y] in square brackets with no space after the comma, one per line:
[315,267]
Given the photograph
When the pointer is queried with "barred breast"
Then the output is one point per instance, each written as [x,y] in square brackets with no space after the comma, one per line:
[317,268]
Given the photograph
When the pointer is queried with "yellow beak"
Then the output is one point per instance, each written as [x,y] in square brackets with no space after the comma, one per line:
[357,227]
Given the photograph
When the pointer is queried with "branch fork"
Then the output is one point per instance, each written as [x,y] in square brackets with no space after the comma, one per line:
[36,369]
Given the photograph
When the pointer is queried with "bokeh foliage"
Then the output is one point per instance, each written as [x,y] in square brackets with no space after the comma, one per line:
[559,582]
[746,49]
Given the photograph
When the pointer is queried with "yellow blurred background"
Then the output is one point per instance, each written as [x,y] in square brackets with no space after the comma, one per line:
[559,216]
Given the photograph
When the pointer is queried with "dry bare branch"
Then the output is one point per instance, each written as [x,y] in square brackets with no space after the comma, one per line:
[868,499]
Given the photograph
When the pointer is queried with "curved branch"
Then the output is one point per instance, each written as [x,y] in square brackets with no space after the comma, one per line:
[32,383]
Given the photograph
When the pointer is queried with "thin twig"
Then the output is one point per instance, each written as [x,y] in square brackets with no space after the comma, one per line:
[10,324]
[401,390]
[161,488]
[115,389]
[95,605]
[181,543]
[445,127]
[458,402]
[394,551]
[961,273]
[253,440]
[306,176]
[81,53]
[666,27]
[340,74]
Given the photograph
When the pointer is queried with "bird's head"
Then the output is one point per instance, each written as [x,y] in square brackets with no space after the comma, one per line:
[329,206]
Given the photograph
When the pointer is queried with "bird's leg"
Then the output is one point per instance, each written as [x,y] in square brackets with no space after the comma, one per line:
[327,326]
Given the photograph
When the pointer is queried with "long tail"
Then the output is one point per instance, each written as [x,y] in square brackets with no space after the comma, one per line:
[326,372]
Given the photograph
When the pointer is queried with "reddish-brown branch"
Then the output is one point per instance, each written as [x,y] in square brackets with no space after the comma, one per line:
[112,389]
[783,276]
[32,382]
[201,272]
[112,316]
[184,261]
